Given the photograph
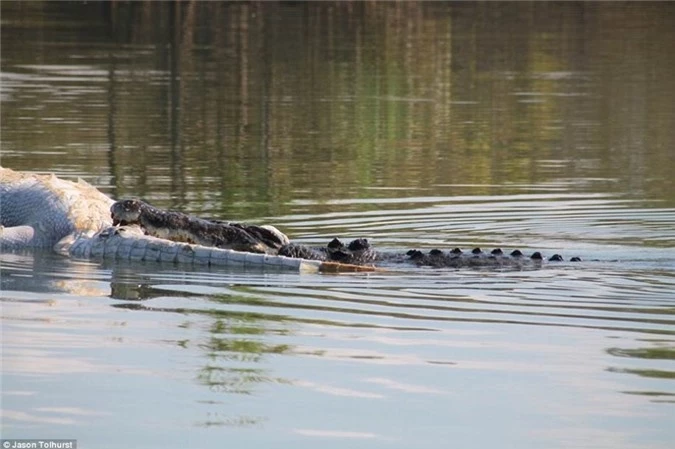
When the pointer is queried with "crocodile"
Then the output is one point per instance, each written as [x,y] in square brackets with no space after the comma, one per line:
[180,227]
[77,220]
[74,219]
[359,251]
[130,242]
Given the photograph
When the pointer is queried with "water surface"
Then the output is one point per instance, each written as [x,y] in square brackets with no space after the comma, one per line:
[535,126]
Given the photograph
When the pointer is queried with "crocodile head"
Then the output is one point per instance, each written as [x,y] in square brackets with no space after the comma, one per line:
[126,212]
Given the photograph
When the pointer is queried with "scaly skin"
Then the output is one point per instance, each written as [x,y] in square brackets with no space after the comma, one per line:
[360,252]
[130,243]
[180,227]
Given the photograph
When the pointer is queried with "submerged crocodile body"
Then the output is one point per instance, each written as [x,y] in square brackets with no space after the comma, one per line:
[77,220]
[181,227]
[360,251]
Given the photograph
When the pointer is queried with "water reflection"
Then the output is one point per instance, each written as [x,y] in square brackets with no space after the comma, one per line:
[218,107]
[256,334]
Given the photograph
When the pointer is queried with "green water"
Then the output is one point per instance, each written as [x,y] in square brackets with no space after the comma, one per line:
[544,126]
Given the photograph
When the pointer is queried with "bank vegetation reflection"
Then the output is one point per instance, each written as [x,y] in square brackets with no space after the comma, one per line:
[261,103]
